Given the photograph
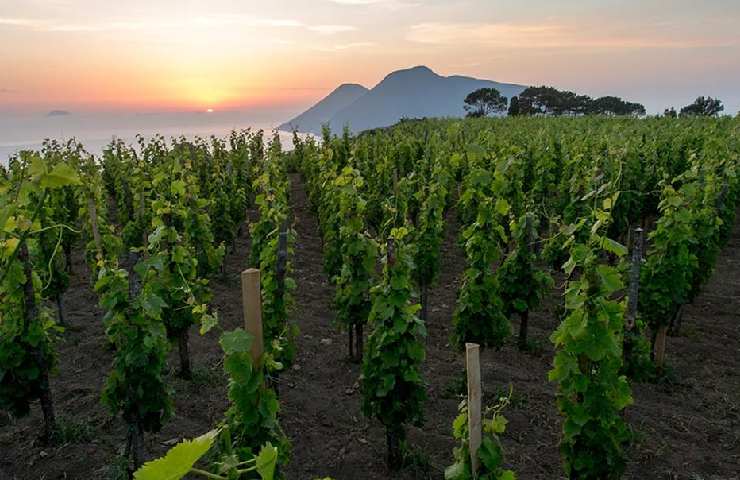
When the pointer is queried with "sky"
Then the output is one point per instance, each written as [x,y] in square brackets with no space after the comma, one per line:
[186,55]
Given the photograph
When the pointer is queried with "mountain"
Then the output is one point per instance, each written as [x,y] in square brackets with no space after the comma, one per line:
[312,119]
[412,93]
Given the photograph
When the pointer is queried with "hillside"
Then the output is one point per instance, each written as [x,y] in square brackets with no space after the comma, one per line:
[412,93]
[312,119]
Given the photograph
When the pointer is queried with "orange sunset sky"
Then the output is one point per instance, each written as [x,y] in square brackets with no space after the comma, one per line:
[225,54]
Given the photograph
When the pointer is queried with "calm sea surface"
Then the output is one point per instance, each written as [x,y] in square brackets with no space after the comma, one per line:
[96,130]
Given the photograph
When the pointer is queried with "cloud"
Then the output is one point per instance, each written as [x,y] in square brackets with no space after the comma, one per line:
[359,2]
[206,21]
[507,35]
[389,4]
[7,91]
[18,22]
[345,46]
[492,34]
[331,29]
[49,25]
[242,20]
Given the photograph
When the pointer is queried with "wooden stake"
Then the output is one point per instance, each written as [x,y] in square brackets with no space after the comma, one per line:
[391,252]
[252,305]
[30,315]
[282,260]
[144,234]
[93,212]
[472,362]
[634,288]
[660,340]
[524,316]
[134,283]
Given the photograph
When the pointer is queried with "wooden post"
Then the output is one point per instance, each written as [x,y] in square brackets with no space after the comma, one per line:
[144,234]
[524,316]
[282,260]
[30,315]
[423,298]
[134,282]
[93,212]
[391,252]
[660,341]
[472,362]
[634,287]
[252,305]
[720,205]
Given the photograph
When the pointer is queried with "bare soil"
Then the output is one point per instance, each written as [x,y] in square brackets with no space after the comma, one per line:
[685,429]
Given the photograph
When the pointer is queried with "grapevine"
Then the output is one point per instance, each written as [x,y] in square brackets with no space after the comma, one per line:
[591,391]
[392,387]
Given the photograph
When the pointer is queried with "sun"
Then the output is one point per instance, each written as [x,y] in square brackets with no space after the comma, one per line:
[209,110]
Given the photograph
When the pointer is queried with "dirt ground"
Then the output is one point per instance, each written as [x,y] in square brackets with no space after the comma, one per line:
[686,429]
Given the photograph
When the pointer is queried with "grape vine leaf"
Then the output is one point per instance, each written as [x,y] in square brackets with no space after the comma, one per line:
[178,461]
[60,176]
[266,461]
[236,341]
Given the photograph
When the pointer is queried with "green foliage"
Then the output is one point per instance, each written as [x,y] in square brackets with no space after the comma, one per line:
[74,430]
[687,238]
[392,387]
[490,453]
[273,242]
[51,249]
[94,209]
[550,101]
[135,215]
[430,229]
[277,298]
[328,211]
[251,420]
[666,277]
[23,355]
[178,461]
[119,179]
[591,391]
[181,459]
[554,168]
[704,106]
[27,331]
[47,253]
[224,178]
[522,286]
[171,247]
[179,204]
[479,316]
[359,252]
[136,387]
[165,196]
[271,187]
[484,102]
[242,446]
[638,366]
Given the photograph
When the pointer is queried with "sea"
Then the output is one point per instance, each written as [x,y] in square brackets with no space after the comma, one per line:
[95,130]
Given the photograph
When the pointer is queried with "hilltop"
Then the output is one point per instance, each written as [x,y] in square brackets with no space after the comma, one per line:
[416,92]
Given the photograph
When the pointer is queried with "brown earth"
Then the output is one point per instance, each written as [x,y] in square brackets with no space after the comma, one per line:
[686,429]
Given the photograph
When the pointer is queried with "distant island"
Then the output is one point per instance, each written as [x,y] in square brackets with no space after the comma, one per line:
[418,93]
[411,93]
[58,113]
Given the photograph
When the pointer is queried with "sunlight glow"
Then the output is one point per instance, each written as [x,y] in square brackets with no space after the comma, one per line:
[226,55]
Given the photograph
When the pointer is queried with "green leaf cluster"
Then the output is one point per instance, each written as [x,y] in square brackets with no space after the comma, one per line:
[393,390]
[591,390]
[490,453]
[480,315]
